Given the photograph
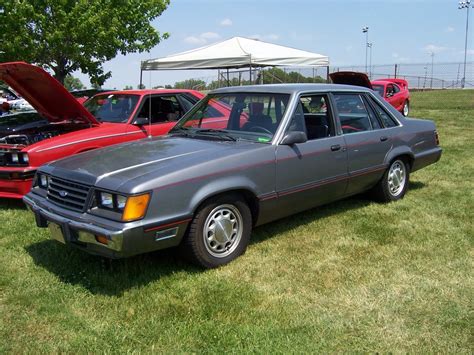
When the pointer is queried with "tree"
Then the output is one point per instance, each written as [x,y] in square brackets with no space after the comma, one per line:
[69,35]
[141,86]
[72,83]
[128,87]
[195,84]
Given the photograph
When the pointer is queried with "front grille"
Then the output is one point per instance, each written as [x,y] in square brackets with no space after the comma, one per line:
[69,194]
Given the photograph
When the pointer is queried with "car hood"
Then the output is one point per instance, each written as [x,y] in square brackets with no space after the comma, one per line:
[351,78]
[113,166]
[44,93]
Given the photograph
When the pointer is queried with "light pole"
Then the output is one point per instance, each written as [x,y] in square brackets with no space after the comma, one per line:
[369,45]
[432,64]
[465,4]
[366,31]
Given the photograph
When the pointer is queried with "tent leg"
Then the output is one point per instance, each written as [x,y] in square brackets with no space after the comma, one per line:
[228,82]
[141,78]
[327,74]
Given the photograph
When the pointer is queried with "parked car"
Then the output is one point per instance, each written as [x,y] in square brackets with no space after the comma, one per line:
[106,119]
[394,91]
[284,149]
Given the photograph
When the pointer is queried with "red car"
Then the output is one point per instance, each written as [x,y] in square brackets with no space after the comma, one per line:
[394,91]
[105,119]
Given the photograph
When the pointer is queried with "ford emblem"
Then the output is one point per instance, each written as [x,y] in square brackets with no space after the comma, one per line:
[63,193]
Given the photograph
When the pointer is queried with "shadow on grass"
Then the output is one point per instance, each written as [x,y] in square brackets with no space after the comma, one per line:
[11,203]
[416,185]
[101,276]
[104,276]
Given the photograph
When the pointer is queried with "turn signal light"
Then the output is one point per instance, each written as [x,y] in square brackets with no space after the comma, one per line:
[436,137]
[135,208]
[101,239]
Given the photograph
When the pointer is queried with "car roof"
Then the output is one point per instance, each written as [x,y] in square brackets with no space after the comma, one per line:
[289,88]
[145,92]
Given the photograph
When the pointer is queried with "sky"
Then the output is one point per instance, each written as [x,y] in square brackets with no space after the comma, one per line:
[401,31]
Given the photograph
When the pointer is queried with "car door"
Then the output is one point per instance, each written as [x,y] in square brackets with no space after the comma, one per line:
[366,140]
[314,172]
[158,113]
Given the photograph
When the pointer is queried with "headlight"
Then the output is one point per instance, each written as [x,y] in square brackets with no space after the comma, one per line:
[130,208]
[19,158]
[42,180]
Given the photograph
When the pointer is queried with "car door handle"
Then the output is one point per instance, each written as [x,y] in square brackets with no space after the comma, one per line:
[335,147]
[383,138]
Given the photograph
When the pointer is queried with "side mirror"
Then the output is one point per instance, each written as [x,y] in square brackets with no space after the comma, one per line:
[294,137]
[141,121]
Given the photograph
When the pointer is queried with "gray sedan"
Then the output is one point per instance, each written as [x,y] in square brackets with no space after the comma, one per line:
[241,157]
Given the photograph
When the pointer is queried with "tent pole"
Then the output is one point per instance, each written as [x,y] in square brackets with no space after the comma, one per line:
[250,70]
[327,74]
[228,82]
[141,78]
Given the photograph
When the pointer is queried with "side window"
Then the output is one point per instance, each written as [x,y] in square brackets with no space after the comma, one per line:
[386,119]
[186,102]
[395,88]
[374,121]
[161,109]
[312,117]
[353,113]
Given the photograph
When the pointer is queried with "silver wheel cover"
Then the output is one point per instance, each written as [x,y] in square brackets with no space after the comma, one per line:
[396,178]
[405,109]
[222,230]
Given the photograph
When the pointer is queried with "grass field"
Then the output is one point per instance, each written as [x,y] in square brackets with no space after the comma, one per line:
[351,276]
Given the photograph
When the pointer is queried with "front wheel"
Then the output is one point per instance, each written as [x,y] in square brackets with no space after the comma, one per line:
[406,108]
[219,232]
[394,182]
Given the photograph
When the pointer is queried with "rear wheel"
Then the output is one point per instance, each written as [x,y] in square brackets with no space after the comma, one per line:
[406,108]
[219,232]
[394,182]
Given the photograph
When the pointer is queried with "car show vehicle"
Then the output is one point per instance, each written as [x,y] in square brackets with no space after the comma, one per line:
[14,101]
[394,91]
[284,149]
[106,119]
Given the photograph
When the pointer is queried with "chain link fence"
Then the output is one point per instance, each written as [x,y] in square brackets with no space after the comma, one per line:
[418,75]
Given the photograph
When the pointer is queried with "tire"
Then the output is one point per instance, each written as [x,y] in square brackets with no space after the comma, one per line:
[406,108]
[219,232]
[394,183]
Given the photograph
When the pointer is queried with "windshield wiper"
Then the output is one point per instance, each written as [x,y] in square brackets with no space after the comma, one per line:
[218,132]
[180,130]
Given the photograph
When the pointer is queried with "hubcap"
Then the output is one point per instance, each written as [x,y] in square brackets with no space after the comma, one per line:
[405,109]
[222,230]
[396,178]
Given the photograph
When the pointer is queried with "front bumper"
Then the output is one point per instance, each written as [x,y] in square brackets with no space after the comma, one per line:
[84,231]
[15,183]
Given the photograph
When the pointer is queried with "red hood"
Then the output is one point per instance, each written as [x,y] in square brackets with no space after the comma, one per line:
[351,78]
[44,93]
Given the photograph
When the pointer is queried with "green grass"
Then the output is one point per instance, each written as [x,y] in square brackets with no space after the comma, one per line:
[351,276]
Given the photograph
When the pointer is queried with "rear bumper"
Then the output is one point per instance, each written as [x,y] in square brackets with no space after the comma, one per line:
[123,239]
[426,158]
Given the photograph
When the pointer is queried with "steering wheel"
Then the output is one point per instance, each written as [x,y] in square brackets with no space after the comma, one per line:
[261,129]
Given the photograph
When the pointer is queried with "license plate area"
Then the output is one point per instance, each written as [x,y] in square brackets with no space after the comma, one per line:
[56,232]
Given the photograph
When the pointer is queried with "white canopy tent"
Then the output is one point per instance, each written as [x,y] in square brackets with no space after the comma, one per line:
[237,52]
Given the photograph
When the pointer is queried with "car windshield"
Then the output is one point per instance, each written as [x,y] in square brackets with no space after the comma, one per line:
[378,89]
[112,108]
[235,116]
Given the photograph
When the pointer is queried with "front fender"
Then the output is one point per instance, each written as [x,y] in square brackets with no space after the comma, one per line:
[219,186]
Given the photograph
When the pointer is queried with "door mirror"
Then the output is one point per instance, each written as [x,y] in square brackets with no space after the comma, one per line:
[141,121]
[294,137]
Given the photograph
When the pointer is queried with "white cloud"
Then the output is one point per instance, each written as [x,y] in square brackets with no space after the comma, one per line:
[202,38]
[432,48]
[226,22]
[449,29]
[349,48]
[268,37]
